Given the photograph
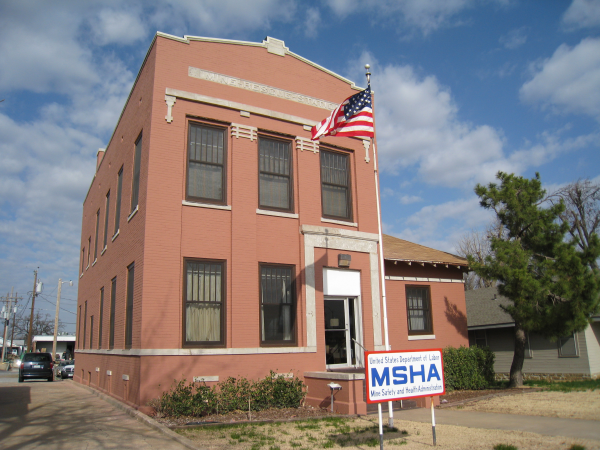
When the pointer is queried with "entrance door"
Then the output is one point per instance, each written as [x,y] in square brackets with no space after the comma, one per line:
[340,329]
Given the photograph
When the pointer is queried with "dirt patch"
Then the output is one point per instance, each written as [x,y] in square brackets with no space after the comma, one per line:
[362,433]
[566,405]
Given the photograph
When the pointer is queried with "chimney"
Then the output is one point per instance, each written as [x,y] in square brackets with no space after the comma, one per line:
[99,157]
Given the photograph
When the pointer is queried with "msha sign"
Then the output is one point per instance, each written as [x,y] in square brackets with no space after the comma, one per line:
[394,375]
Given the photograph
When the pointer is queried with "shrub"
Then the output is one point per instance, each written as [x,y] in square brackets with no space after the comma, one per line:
[468,367]
[198,399]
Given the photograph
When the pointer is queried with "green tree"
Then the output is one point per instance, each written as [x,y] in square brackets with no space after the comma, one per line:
[553,289]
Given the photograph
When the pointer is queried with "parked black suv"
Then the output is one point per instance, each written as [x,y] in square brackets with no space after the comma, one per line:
[36,365]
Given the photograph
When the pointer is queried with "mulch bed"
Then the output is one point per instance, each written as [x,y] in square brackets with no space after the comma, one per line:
[453,398]
[306,412]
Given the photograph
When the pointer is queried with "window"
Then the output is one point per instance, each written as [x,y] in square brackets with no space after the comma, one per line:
[113,294]
[101,317]
[335,185]
[129,306]
[206,164]
[106,211]
[89,246]
[84,324]
[135,186]
[91,331]
[79,329]
[82,260]
[480,338]
[96,239]
[118,209]
[567,346]
[275,174]
[277,304]
[203,297]
[418,310]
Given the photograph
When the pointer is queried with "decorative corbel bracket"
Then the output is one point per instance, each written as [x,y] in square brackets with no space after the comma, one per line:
[366,145]
[243,131]
[307,144]
[170,102]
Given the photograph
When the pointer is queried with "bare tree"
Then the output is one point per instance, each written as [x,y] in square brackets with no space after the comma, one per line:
[476,244]
[43,324]
[582,211]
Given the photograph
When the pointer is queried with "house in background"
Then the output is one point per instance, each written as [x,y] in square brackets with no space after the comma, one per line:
[218,240]
[572,357]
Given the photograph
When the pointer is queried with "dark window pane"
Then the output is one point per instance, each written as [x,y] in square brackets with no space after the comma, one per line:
[206,156]
[106,214]
[118,208]
[277,304]
[101,317]
[275,174]
[113,294]
[135,188]
[568,346]
[418,310]
[335,182]
[129,306]
[97,231]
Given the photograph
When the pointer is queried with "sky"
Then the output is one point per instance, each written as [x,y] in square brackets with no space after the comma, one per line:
[463,89]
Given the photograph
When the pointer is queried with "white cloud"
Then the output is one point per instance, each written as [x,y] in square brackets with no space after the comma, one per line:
[582,14]
[408,199]
[223,18]
[569,81]
[514,38]
[312,22]
[439,226]
[424,15]
[121,27]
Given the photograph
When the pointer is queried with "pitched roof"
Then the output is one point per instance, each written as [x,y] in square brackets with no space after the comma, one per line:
[395,249]
[483,308]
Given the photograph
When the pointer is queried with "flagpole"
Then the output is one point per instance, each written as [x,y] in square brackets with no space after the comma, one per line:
[381,258]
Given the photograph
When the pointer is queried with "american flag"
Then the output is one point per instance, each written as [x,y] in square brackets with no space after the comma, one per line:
[354,117]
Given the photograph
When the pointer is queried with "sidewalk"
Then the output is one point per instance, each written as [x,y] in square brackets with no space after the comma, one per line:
[65,416]
[549,426]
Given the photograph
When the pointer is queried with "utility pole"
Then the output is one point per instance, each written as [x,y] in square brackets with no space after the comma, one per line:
[60,283]
[29,335]
[12,337]
[6,309]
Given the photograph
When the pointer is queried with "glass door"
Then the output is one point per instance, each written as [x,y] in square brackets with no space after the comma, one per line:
[340,329]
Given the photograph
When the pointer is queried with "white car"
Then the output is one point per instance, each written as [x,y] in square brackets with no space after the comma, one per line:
[68,370]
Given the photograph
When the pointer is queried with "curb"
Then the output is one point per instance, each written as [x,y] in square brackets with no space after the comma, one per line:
[141,417]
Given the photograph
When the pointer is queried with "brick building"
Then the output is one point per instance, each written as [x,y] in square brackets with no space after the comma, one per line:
[216,234]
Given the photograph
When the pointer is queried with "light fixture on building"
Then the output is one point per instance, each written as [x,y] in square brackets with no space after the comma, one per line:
[344,260]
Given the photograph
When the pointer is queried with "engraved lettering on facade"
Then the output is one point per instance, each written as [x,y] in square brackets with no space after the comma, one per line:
[257,87]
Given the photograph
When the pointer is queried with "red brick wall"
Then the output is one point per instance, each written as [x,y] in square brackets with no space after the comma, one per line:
[448,308]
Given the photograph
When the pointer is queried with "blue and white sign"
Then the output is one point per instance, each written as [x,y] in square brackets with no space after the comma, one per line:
[394,375]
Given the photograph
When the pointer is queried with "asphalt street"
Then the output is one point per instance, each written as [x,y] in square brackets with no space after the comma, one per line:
[61,415]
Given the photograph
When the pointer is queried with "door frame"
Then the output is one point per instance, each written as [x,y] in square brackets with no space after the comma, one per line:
[358,351]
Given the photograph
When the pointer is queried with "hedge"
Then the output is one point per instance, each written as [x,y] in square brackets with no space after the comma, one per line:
[232,394]
[468,367]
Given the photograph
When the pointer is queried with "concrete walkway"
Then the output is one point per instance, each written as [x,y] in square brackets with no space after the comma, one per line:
[549,426]
[65,416]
